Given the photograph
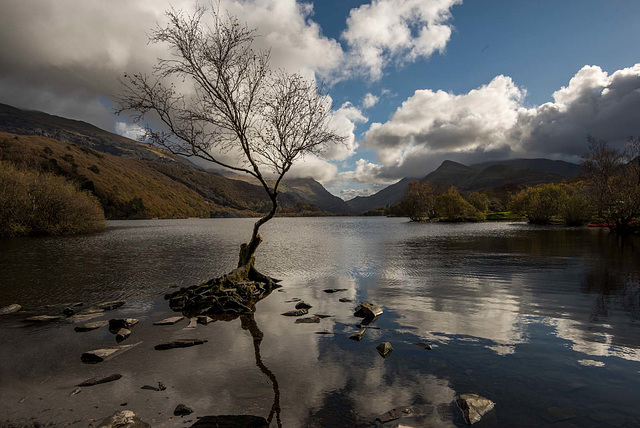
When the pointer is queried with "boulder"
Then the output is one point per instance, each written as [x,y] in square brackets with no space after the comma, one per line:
[473,406]
[296,313]
[116,324]
[101,379]
[169,321]
[368,310]
[303,305]
[90,326]
[10,309]
[182,410]
[308,320]
[231,421]
[180,343]
[122,334]
[123,419]
[358,335]
[114,304]
[384,349]
[100,355]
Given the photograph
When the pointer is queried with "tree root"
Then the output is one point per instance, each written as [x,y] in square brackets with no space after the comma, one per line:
[226,297]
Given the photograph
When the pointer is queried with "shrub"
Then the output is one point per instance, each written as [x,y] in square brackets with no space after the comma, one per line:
[451,206]
[576,209]
[480,201]
[539,204]
[94,168]
[33,203]
[418,202]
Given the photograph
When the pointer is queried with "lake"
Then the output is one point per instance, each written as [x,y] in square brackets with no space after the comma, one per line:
[544,321]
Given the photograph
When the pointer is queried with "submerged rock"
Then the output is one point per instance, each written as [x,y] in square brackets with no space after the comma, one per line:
[309,320]
[335,290]
[368,310]
[82,317]
[345,300]
[296,313]
[231,421]
[150,388]
[42,319]
[114,304]
[10,309]
[384,349]
[116,324]
[102,379]
[358,335]
[473,407]
[303,305]
[123,419]
[169,321]
[90,326]
[100,355]
[122,334]
[423,345]
[404,412]
[182,410]
[180,343]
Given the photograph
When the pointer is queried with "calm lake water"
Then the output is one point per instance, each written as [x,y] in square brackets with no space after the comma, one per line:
[543,321]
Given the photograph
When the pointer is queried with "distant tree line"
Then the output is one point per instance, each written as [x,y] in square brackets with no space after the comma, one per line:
[608,193]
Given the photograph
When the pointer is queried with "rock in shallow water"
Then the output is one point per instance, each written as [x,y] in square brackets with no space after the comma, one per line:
[119,323]
[182,410]
[368,310]
[473,406]
[423,345]
[358,335]
[303,305]
[180,343]
[108,306]
[335,290]
[10,309]
[296,313]
[42,319]
[123,419]
[90,326]
[101,379]
[309,320]
[384,349]
[122,334]
[169,321]
[100,355]
[231,421]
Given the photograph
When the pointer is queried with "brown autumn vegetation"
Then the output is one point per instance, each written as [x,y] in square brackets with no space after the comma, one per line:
[40,203]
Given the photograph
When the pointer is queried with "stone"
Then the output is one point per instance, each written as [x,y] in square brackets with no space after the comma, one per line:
[367,326]
[423,345]
[122,334]
[323,315]
[161,386]
[303,305]
[180,343]
[42,319]
[473,406]
[296,313]
[11,309]
[100,355]
[295,299]
[384,349]
[204,320]
[101,379]
[308,320]
[123,419]
[368,310]
[75,392]
[231,421]
[404,412]
[82,317]
[150,388]
[335,290]
[357,336]
[108,306]
[169,321]
[193,323]
[182,410]
[345,300]
[325,332]
[68,312]
[90,326]
[116,324]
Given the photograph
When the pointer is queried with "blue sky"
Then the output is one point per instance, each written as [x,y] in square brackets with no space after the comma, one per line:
[466,80]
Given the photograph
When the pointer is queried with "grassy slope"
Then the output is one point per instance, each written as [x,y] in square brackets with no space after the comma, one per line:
[118,180]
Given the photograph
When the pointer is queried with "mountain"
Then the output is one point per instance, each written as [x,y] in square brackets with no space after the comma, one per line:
[127,175]
[499,177]
[385,197]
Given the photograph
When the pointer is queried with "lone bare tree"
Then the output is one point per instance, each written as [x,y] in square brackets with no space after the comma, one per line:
[263,120]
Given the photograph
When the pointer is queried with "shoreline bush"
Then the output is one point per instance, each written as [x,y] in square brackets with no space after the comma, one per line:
[40,203]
